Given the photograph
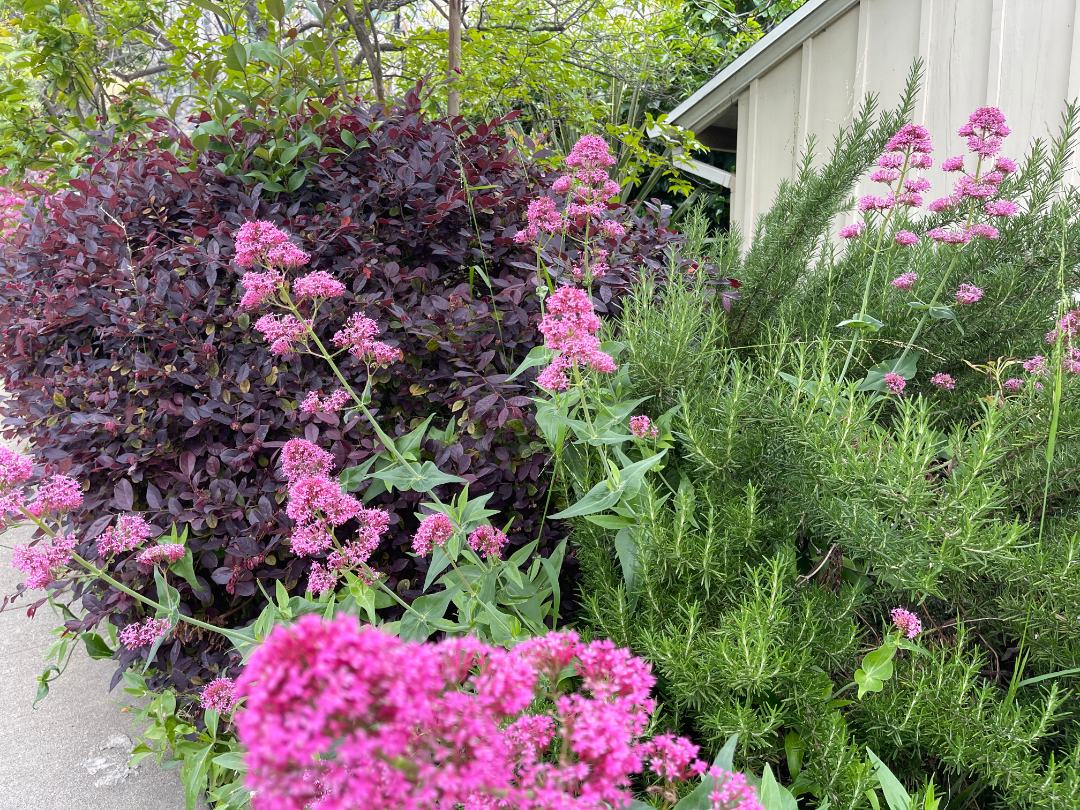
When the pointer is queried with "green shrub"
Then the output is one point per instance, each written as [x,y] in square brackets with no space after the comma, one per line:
[794,510]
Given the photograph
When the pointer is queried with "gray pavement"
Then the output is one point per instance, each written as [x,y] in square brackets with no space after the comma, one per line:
[72,751]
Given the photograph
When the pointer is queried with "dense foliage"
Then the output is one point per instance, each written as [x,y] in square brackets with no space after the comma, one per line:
[798,508]
[132,368]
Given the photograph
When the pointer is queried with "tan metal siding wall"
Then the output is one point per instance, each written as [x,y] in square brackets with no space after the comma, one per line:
[1021,55]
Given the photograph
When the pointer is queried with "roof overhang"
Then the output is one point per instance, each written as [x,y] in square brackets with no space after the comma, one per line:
[724,89]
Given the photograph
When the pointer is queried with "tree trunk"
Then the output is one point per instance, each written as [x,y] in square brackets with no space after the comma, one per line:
[453,60]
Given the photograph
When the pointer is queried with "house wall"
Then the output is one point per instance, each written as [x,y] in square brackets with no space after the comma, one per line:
[1020,55]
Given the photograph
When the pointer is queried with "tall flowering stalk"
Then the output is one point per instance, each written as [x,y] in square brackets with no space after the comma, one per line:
[973,206]
[319,509]
[53,556]
[583,221]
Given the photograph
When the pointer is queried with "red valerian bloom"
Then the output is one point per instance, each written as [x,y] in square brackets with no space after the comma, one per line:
[130,532]
[371,720]
[906,622]
[219,695]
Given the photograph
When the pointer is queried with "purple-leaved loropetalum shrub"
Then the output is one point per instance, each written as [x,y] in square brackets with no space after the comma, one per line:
[337,714]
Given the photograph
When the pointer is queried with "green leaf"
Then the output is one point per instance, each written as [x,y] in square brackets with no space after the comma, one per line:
[416,624]
[348,138]
[421,478]
[410,442]
[193,774]
[537,356]
[863,323]
[296,179]
[276,9]
[236,57]
[440,561]
[774,796]
[794,749]
[875,376]
[185,567]
[626,548]
[608,492]
[877,667]
[352,477]
[96,646]
[896,796]
[231,761]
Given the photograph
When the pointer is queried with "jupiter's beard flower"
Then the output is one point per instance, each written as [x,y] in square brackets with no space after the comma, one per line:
[43,563]
[164,553]
[1002,208]
[895,383]
[731,791]
[1036,365]
[906,622]
[370,720]
[282,332]
[301,458]
[319,284]
[434,530]
[358,337]
[851,231]
[15,469]
[487,540]
[943,381]
[219,695]
[642,427]
[968,294]
[906,238]
[569,328]
[1013,384]
[261,242]
[130,532]
[314,402]
[905,281]
[258,287]
[55,495]
[145,633]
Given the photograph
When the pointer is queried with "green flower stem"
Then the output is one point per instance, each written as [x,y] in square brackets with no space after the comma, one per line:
[873,272]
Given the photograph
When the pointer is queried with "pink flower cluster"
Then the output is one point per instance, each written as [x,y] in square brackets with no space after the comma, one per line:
[731,791]
[586,215]
[55,495]
[895,383]
[164,553]
[434,530]
[219,695]
[333,402]
[358,336]
[642,427]
[487,540]
[337,714]
[43,563]
[318,507]
[130,532]
[984,130]
[15,470]
[906,622]
[905,281]
[11,205]
[317,285]
[968,294]
[908,149]
[569,327]
[258,287]
[262,243]
[145,633]
[943,381]
[281,332]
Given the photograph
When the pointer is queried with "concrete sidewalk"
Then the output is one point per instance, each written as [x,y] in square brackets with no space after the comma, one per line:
[71,751]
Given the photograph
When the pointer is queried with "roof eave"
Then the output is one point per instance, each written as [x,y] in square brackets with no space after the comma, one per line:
[721,91]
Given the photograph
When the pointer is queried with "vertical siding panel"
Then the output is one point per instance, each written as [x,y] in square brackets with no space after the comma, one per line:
[750,180]
[743,150]
[926,44]
[806,76]
[1074,57]
[996,57]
